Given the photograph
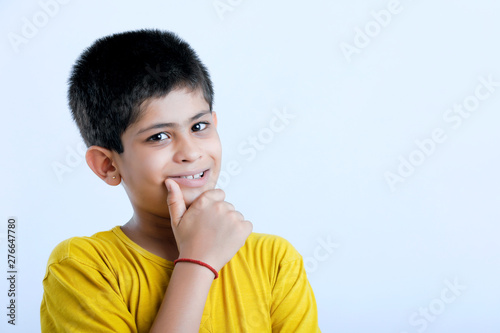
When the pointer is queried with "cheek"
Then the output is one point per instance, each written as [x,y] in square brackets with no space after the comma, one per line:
[218,152]
[154,167]
[146,169]
[215,151]
[216,146]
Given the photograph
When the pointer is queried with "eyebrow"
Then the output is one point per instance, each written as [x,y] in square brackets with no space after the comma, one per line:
[173,125]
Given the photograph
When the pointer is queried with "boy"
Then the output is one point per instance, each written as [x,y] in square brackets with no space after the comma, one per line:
[143,103]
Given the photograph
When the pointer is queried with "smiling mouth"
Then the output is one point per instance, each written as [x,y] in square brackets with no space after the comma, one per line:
[193,180]
[197,176]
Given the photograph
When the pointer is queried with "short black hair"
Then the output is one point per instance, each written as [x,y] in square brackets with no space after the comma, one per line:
[114,76]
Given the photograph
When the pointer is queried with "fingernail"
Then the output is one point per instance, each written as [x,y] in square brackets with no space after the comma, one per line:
[169,186]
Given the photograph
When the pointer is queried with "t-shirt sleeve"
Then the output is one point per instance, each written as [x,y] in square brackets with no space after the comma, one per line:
[80,297]
[293,307]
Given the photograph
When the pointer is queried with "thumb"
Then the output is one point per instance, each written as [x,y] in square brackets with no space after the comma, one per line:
[175,202]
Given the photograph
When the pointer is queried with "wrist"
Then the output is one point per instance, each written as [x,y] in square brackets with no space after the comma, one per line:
[196,255]
[193,274]
[199,263]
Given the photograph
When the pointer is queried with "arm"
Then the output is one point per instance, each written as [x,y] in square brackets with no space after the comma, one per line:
[184,301]
[210,231]
[293,308]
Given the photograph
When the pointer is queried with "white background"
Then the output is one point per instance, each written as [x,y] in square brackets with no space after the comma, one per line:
[322,178]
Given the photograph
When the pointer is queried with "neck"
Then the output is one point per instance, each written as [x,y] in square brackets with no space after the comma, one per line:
[152,233]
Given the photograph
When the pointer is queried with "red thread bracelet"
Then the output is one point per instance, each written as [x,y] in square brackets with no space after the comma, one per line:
[201,263]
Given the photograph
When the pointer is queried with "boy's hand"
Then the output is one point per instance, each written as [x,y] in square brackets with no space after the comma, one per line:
[211,230]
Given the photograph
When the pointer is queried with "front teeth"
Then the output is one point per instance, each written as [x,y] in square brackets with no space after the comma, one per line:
[197,176]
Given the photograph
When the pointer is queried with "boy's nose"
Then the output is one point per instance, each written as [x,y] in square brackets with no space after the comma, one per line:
[186,150]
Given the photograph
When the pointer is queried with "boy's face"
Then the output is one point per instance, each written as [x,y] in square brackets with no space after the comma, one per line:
[175,137]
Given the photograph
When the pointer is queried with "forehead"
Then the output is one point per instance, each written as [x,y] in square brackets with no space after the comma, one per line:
[177,105]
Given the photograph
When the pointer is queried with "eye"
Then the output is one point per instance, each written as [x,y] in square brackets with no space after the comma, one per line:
[199,126]
[158,137]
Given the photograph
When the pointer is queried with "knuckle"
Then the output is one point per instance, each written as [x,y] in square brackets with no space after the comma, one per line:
[249,226]
[203,200]
[220,206]
[238,215]
[220,193]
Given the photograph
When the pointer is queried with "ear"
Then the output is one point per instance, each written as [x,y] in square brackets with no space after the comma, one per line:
[214,118]
[100,160]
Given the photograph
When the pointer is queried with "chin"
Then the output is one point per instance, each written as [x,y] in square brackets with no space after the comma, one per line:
[191,195]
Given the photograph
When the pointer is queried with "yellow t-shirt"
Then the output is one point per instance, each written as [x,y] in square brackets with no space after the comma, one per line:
[107,283]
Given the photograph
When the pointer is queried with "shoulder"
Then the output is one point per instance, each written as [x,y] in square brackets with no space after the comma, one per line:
[268,258]
[93,252]
[272,247]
